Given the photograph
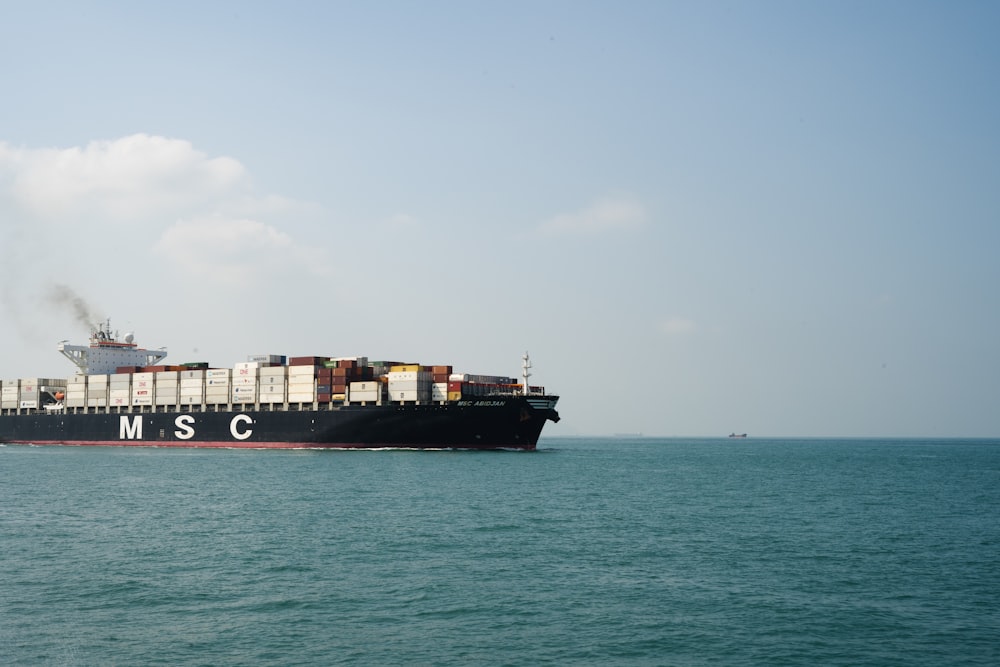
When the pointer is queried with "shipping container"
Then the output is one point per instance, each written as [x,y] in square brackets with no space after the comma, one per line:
[274,359]
[307,361]
[409,395]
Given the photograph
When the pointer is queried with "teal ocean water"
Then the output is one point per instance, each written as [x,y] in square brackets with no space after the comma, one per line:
[587,552]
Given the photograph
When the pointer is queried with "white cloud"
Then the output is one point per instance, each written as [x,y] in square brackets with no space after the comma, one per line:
[605,215]
[200,213]
[678,326]
[126,179]
[236,251]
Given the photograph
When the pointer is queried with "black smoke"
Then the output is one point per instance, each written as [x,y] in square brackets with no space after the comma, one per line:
[63,296]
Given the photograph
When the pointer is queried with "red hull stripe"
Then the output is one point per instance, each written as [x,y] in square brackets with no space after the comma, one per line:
[250,445]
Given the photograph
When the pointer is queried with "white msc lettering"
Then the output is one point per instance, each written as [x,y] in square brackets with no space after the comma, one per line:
[184,429]
[127,431]
[233,427]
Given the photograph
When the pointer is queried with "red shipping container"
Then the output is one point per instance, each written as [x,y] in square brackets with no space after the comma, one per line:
[306,361]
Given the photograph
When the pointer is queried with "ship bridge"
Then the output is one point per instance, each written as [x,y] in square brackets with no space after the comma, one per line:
[107,352]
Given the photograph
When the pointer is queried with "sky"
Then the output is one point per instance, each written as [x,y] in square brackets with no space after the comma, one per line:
[779,218]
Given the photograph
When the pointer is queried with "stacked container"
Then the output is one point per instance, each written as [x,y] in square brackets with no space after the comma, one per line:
[272,382]
[301,380]
[245,382]
[167,387]
[218,385]
[120,389]
[367,391]
[9,393]
[192,387]
[409,382]
[142,388]
[76,392]
[97,391]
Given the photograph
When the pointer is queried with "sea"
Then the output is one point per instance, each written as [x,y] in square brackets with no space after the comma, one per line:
[589,551]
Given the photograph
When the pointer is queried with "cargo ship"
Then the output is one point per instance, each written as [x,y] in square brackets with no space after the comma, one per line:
[123,395]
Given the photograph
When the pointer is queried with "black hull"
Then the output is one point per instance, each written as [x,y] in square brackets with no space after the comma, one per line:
[488,423]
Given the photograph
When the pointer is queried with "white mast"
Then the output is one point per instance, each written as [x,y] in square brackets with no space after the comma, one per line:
[525,365]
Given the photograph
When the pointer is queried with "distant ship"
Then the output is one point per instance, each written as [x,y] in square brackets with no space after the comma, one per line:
[737,435]
[121,395]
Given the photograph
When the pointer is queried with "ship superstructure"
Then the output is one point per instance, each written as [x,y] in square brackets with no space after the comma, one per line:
[108,351]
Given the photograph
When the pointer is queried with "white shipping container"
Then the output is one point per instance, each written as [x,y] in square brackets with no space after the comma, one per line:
[74,402]
[192,384]
[272,389]
[115,384]
[272,398]
[142,400]
[5,403]
[218,373]
[165,400]
[97,402]
[301,397]
[439,391]
[409,395]
[191,400]
[217,391]
[300,371]
[244,381]
[97,392]
[365,386]
[246,366]
[276,371]
[142,393]
[120,393]
[367,396]
[266,358]
[167,375]
[76,394]
[122,377]
[193,375]
[217,382]
[118,401]
[142,377]
[10,391]
[407,376]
